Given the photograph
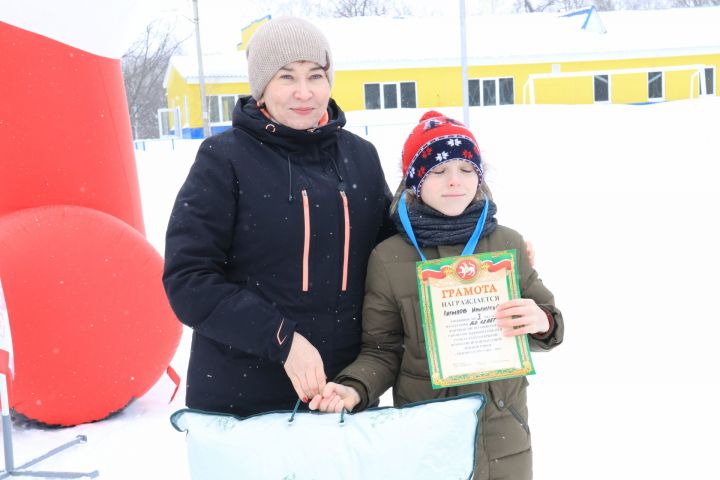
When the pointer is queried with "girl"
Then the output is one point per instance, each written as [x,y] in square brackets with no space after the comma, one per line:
[444,200]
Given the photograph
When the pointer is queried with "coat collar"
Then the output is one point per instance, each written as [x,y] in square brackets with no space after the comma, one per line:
[248,117]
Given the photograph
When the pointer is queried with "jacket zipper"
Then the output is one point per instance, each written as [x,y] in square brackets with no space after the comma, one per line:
[306,244]
[346,246]
[520,419]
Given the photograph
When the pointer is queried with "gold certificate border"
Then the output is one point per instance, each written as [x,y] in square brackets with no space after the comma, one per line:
[437,378]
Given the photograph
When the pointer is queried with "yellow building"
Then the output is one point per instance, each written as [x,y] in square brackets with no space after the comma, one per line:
[412,62]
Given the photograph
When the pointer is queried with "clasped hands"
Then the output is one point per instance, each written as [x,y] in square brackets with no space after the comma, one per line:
[305,369]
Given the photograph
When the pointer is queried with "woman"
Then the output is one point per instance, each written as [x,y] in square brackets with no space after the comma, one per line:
[443,185]
[269,238]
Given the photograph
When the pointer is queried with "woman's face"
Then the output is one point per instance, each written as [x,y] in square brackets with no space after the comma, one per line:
[298,95]
[450,187]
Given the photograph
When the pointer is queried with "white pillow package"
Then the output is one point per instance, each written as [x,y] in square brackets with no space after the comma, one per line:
[424,440]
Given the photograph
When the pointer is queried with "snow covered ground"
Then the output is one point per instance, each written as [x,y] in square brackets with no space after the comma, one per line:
[619,202]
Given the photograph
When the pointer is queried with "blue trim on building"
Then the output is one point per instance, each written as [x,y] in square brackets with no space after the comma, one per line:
[198,132]
[266,17]
[188,132]
[219,129]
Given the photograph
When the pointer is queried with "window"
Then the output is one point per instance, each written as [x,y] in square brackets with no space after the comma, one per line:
[489,97]
[655,85]
[507,91]
[390,95]
[473,92]
[710,81]
[407,95]
[372,96]
[602,88]
[491,91]
[220,107]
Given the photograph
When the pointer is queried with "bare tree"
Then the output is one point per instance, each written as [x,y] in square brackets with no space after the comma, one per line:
[565,5]
[537,6]
[643,4]
[297,7]
[606,5]
[143,67]
[359,8]
[695,3]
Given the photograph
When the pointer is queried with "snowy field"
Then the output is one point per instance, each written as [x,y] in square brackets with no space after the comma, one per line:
[618,201]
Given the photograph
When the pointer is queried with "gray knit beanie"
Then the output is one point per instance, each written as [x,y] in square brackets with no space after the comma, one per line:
[282,41]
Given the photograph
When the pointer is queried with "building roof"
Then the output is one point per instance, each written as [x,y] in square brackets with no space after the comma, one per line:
[382,43]
[218,68]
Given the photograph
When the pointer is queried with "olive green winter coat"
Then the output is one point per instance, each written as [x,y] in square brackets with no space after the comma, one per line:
[393,351]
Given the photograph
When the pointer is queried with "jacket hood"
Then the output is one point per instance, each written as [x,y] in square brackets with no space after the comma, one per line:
[248,117]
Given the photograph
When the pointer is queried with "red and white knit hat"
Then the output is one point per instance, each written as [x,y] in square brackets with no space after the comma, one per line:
[435,140]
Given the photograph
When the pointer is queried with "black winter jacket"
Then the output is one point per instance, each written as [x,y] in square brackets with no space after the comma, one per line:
[271,234]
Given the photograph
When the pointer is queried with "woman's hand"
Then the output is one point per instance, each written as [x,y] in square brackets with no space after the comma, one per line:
[334,397]
[304,367]
[521,316]
[531,252]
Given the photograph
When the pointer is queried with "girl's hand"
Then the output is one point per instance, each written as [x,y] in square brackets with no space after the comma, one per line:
[521,316]
[334,397]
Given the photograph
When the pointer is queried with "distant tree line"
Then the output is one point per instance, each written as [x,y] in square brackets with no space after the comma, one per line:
[605,5]
[360,8]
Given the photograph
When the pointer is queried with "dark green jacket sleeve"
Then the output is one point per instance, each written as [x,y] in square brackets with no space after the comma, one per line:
[531,286]
[378,364]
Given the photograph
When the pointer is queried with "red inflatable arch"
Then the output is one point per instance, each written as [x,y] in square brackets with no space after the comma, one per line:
[65,129]
[90,322]
[91,327]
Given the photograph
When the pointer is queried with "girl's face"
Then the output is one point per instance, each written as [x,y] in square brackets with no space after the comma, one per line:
[450,187]
[298,95]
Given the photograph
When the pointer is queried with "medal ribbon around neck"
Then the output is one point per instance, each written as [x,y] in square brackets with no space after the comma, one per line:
[469,247]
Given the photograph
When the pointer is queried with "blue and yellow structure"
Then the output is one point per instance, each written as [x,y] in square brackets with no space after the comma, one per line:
[580,57]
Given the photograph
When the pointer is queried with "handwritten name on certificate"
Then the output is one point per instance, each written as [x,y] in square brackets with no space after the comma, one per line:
[458,299]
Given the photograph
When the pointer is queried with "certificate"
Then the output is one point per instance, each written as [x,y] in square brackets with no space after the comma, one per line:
[458,298]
